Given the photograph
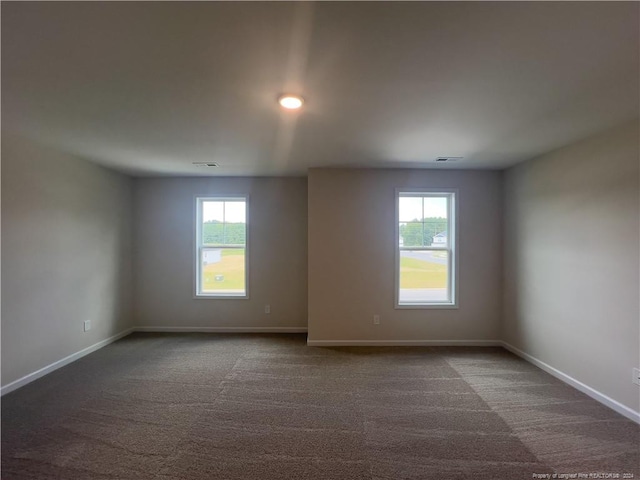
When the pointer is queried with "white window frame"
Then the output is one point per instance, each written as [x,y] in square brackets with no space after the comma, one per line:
[452,217]
[198,247]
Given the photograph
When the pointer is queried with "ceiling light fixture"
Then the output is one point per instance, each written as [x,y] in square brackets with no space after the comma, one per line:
[290,102]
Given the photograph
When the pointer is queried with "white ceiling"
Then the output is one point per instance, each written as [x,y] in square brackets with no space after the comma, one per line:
[150,87]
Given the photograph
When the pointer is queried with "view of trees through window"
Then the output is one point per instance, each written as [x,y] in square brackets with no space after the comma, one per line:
[215,232]
[421,232]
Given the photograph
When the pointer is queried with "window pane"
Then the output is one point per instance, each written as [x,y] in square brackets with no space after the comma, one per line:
[435,222]
[224,233]
[223,271]
[235,234]
[212,233]
[411,234]
[235,211]
[410,209]
[435,207]
[212,211]
[212,218]
[423,277]
[436,233]
[224,222]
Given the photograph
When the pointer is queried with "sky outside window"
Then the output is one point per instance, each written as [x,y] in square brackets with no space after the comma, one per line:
[411,208]
[227,211]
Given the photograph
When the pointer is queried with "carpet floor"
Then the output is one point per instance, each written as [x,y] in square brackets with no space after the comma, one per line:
[267,407]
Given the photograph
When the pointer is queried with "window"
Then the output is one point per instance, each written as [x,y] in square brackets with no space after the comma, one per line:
[426,247]
[221,247]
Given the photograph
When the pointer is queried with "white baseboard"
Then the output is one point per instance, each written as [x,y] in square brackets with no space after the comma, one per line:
[592,392]
[404,343]
[10,387]
[222,329]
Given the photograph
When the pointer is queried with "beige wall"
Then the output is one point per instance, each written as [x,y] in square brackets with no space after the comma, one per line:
[66,247]
[164,254]
[571,261]
[352,256]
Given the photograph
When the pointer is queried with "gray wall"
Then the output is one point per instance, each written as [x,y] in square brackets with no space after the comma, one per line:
[352,256]
[571,261]
[66,255]
[570,277]
[164,254]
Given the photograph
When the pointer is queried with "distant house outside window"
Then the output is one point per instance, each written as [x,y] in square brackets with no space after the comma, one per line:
[221,247]
[439,239]
[426,249]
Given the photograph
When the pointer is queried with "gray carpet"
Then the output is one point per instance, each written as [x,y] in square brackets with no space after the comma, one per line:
[203,406]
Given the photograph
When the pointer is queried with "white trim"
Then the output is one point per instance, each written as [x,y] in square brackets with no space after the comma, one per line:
[10,387]
[584,388]
[197,294]
[428,306]
[223,329]
[404,343]
[453,264]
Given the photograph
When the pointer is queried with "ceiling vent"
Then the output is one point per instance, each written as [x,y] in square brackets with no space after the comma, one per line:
[205,164]
[448,159]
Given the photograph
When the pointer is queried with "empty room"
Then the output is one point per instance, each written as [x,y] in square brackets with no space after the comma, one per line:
[320,240]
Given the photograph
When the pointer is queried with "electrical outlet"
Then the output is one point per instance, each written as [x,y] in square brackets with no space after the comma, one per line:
[376,319]
[87,325]
[636,376]
[267,309]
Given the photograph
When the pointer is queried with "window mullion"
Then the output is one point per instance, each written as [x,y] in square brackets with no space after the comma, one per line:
[422,220]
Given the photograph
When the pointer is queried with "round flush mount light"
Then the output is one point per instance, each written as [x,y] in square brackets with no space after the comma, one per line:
[290,102]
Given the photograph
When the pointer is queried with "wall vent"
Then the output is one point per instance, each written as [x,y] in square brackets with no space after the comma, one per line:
[448,159]
[205,164]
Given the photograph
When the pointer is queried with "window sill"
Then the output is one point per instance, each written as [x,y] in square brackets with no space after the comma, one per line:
[204,296]
[425,306]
